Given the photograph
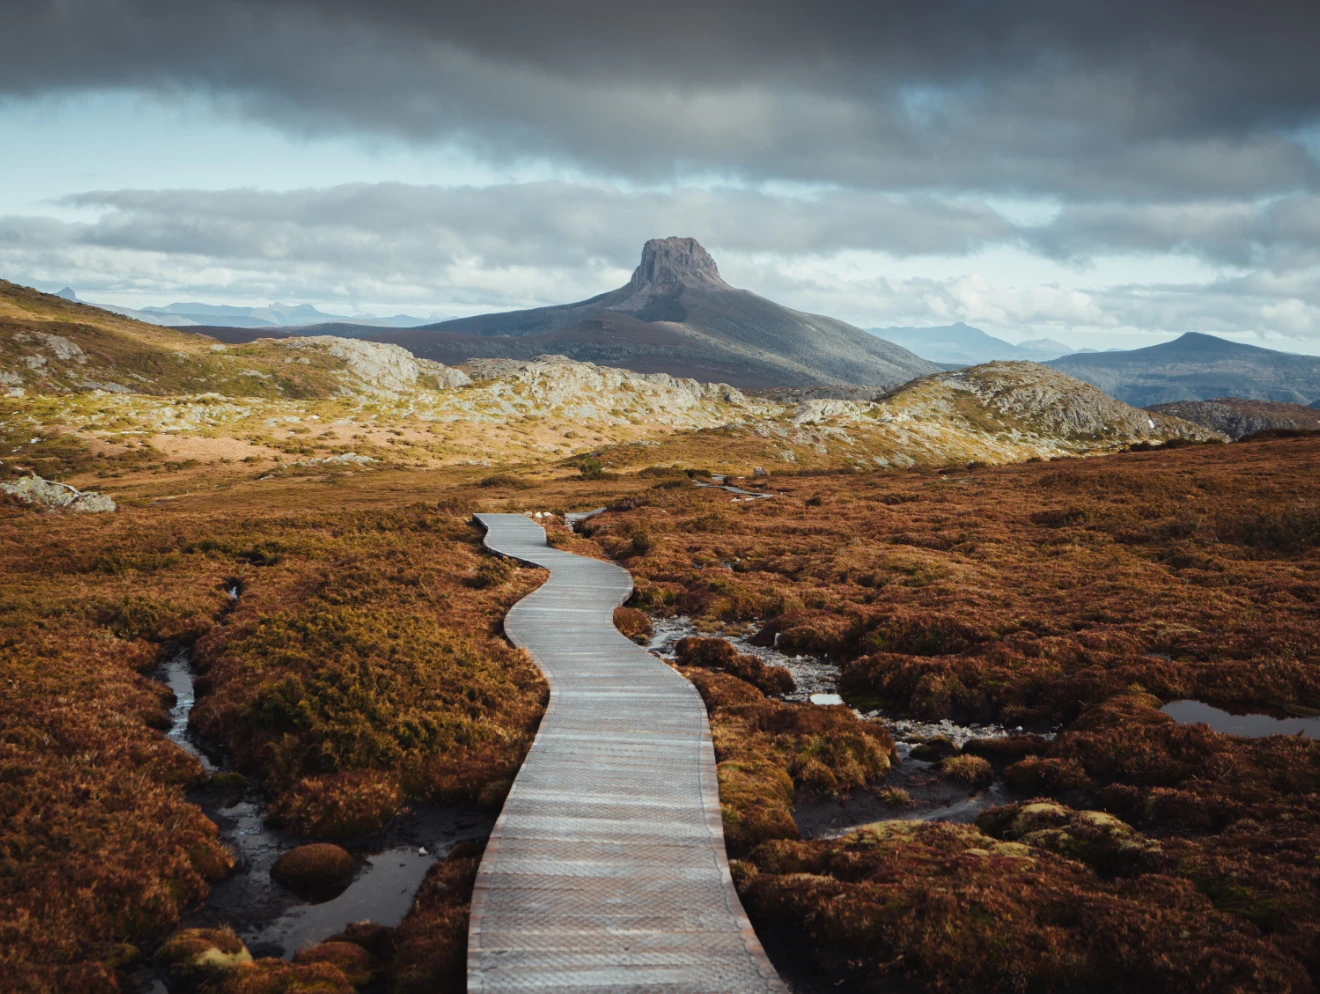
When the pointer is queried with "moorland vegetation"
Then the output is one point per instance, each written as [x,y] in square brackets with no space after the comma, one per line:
[1070,599]
[344,624]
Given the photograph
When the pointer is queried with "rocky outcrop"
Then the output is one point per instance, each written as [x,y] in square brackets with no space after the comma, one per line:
[49,495]
[675,261]
[558,386]
[377,367]
[1027,398]
[1237,418]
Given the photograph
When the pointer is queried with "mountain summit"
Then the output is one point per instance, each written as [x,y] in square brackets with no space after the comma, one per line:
[678,316]
[675,260]
[1198,367]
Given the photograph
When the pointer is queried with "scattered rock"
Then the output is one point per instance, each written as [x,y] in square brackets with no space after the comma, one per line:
[52,496]
[317,865]
[193,954]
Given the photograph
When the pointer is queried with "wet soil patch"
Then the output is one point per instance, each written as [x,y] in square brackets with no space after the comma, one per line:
[932,799]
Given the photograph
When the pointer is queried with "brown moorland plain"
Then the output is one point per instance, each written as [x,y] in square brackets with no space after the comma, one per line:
[1074,596]
[361,667]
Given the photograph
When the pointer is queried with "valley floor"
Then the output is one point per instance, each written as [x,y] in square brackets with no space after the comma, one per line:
[345,627]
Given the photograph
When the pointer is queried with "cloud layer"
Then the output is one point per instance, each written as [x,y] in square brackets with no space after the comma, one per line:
[1134,98]
[1136,130]
[519,245]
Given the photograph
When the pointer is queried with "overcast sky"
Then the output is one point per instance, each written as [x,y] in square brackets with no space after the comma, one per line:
[1106,174]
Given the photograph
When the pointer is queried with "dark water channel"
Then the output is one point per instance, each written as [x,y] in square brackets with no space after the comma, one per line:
[1250,725]
[270,918]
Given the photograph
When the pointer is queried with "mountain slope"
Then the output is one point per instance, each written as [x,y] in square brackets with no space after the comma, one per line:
[1198,367]
[83,384]
[677,315]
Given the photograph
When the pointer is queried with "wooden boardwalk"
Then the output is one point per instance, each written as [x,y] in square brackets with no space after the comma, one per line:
[606,871]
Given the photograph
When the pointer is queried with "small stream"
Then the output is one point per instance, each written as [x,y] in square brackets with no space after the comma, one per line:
[272,919]
[176,673]
[932,797]
[812,675]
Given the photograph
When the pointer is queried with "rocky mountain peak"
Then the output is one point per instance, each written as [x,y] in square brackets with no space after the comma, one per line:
[675,260]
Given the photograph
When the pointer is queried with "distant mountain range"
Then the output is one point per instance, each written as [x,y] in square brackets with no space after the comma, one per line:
[191,315]
[961,344]
[1198,367]
[677,315]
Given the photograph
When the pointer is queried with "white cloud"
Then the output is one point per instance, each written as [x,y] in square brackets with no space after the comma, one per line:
[867,258]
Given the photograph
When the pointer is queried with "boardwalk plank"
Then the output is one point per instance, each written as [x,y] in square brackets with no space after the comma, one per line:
[606,872]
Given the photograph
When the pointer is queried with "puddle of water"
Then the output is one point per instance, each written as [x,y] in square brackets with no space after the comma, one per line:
[575,518]
[812,675]
[747,494]
[1252,726]
[382,893]
[276,921]
[933,799]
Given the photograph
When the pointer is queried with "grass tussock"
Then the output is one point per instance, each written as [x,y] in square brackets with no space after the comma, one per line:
[633,623]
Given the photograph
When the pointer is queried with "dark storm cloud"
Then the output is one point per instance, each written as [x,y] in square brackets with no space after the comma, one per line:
[1124,99]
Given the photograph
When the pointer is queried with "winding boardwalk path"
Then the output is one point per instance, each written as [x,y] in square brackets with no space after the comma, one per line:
[606,871]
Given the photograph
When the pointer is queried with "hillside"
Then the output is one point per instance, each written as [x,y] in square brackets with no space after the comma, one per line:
[92,391]
[1198,367]
[1237,418]
[677,315]
[53,346]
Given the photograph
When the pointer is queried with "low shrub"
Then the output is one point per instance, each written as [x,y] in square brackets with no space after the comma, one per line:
[494,571]
[633,623]
[358,966]
[315,865]
[968,769]
[507,481]
[274,976]
[718,654]
[337,806]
